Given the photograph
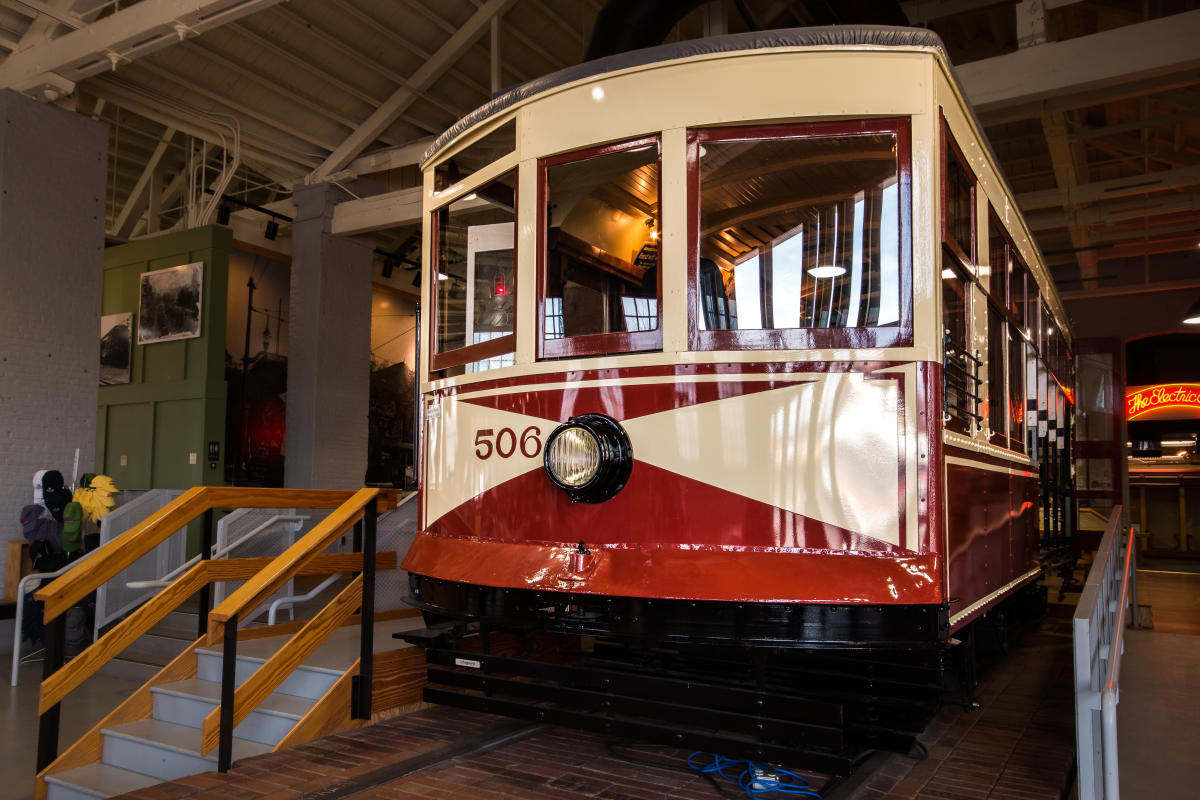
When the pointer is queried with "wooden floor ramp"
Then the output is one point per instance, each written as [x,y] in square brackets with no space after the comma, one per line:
[235,691]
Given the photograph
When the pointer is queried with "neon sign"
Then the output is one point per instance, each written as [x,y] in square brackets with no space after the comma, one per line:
[1164,401]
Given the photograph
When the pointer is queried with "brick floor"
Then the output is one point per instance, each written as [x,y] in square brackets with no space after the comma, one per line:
[1018,746]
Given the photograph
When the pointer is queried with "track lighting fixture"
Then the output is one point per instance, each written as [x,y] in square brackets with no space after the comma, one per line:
[272,230]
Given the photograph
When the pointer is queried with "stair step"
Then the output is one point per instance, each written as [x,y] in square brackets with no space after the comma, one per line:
[160,646]
[165,750]
[305,681]
[174,630]
[133,666]
[189,702]
[95,780]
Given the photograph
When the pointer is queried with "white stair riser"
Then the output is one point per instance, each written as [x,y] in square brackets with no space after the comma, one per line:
[191,711]
[95,781]
[56,791]
[303,682]
[166,646]
[146,757]
[129,670]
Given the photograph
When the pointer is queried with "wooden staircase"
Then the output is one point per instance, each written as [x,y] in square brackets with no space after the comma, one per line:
[233,692]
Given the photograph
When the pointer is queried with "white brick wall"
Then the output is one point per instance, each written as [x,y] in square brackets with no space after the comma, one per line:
[52,181]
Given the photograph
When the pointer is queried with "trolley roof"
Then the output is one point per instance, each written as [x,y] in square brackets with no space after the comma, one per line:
[824,36]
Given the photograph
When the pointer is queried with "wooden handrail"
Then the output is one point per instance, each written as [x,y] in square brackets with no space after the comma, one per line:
[254,591]
[130,629]
[68,589]
[280,665]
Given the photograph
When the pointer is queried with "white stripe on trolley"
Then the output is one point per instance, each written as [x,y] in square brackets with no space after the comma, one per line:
[648,380]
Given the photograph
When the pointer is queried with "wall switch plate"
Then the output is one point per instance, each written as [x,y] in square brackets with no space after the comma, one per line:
[124,461]
[191,458]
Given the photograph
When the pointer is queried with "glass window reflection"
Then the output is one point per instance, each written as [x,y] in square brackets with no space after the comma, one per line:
[601,256]
[475,271]
[799,233]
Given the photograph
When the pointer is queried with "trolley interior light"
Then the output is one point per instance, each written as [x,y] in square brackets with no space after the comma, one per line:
[827,271]
[589,457]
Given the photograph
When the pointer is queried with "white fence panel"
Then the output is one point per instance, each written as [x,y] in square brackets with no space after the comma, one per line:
[1098,629]
[115,598]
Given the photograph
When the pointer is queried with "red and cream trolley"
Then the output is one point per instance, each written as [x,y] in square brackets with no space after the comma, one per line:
[740,341]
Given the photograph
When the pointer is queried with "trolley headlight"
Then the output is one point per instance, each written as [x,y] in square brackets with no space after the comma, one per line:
[589,457]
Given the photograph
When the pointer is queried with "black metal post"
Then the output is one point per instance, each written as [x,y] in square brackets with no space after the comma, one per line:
[56,633]
[358,535]
[228,686]
[366,657]
[244,444]
[205,594]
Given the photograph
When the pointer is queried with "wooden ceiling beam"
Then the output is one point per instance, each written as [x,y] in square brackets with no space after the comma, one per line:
[420,80]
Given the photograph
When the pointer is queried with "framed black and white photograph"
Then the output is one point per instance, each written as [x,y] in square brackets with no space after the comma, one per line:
[116,348]
[170,304]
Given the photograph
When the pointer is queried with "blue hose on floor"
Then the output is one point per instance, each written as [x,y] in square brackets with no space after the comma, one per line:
[757,781]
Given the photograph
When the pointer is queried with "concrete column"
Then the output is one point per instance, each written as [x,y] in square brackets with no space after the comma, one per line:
[329,346]
[52,179]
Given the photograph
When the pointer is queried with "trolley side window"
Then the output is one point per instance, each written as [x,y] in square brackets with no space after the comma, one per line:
[999,265]
[800,236]
[599,266]
[958,200]
[1016,389]
[474,157]
[996,416]
[475,279]
[960,367]
[1029,313]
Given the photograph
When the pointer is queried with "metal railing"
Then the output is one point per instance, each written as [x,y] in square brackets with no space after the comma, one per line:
[115,598]
[1098,629]
[238,701]
[112,558]
[960,374]
[35,579]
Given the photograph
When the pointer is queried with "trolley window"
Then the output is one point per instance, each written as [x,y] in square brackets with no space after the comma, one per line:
[996,413]
[474,278]
[476,156]
[599,262]
[800,236]
[958,200]
[1016,390]
[961,380]
[1001,286]
[1029,314]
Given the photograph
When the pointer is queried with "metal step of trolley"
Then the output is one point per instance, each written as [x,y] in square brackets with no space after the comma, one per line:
[816,711]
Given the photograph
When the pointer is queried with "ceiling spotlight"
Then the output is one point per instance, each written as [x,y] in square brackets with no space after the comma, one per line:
[1192,317]
[272,230]
[827,271]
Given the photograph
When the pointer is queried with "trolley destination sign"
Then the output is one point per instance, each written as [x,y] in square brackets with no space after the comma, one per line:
[1163,401]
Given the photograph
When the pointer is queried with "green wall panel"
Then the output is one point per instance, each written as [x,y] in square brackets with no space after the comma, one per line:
[174,403]
[179,434]
[127,458]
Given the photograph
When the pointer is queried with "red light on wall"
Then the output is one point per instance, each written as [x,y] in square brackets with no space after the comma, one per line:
[1163,401]
[498,287]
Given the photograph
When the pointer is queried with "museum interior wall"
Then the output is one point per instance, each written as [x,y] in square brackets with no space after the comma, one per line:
[52,177]
[155,423]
